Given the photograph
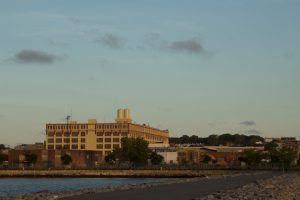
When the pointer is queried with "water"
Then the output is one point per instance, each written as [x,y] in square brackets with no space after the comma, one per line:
[13,186]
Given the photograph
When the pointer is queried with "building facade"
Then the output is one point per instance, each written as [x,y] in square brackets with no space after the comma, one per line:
[101,137]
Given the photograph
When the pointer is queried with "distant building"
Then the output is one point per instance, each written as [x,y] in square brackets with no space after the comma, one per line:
[52,158]
[169,154]
[34,146]
[101,137]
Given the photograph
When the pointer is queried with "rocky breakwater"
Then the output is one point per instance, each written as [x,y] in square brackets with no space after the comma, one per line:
[283,187]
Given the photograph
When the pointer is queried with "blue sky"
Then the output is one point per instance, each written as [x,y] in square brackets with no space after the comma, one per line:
[194,67]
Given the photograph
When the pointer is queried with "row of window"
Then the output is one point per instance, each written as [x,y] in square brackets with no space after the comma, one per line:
[107,146]
[85,126]
[67,126]
[111,126]
[82,146]
[123,134]
[108,140]
[66,140]
[66,134]
[66,146]
[82,140]
[82,134]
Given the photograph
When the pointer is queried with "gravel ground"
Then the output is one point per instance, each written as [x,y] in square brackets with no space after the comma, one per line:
[284,187]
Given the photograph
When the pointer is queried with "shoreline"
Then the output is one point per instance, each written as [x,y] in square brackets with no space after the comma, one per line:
[120,188]
[114,173]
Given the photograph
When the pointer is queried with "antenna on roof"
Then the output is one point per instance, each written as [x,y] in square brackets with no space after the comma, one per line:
[68,118]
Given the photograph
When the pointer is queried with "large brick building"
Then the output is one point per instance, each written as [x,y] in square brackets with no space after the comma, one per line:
[101,137]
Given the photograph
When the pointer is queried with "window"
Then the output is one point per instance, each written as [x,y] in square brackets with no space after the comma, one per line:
[82,146]
[124,134]
[107,134]
[99,139]
[115,134]
[107,146]
[58,146]
[82,140]
[50,146]
[66,146]
[74,140]
[58,134]
[66,134]
[50,134]
[74,133]
[99,134]
[74,146]
[50,140]
[116,146]
[82,134]
[99,146]
[107,139]
[58,140]
[107,152]
[116,140]
[67,140]
[125,126]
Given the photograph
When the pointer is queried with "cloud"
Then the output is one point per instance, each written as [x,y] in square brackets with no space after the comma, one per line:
[253,132]
[74,20]
[248,123]
[33,56]
[111,40]
[188,46]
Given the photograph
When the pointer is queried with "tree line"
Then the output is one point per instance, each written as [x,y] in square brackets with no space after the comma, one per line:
[216,140]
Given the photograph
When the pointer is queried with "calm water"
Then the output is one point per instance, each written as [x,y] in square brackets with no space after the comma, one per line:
[12,186]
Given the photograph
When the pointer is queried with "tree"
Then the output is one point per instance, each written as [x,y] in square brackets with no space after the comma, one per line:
[252,157]
[206,158]
[2,146]
[133,150]
[66,159]
[2,158]
[156,159]
[285,156]
[31,158]
[271,146]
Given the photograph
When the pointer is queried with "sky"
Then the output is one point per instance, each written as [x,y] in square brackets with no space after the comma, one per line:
[194,67]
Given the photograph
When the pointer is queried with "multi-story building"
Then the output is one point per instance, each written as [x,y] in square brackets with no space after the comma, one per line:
[103,137]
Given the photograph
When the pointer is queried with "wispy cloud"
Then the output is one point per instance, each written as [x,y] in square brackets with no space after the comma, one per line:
[188,46]
[34,56]
[247,123]
[111,40]
[74,20]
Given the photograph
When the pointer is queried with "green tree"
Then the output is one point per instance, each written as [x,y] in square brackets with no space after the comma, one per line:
[285,156]
[271,146]
[2,146]
[66,159]
[2,159]
[31,158]
[156,159]
[252,157]
[133,150]
[213,140]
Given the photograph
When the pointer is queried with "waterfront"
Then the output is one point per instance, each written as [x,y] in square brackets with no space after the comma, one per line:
[14,186]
